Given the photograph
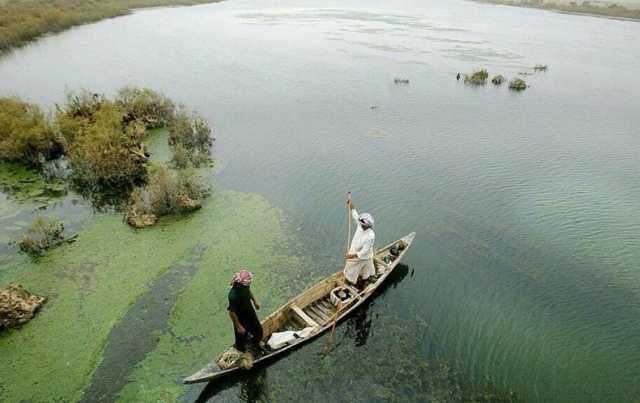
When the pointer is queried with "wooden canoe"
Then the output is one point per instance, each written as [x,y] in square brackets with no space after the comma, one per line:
[312,308]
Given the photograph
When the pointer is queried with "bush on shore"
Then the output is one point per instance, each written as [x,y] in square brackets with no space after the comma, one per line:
[42,234]
[26,136]
[190,138]
[166,192]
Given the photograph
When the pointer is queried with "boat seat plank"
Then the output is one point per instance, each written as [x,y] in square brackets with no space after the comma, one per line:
[328,306]
[323,309]
[304,316]
[318,312]
[314,315]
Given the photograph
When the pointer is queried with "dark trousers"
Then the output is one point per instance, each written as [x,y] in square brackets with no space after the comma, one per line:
[251,337]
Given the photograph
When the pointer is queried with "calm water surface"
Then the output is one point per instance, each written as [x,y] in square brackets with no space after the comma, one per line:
[526,205]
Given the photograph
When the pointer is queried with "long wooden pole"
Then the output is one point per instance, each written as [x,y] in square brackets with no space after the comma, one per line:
[334,318]
[349,221]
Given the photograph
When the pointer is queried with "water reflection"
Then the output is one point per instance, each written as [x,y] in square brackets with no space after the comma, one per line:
[253,387]
[358,327]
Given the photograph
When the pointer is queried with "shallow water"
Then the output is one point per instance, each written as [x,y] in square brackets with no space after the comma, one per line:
[524,271]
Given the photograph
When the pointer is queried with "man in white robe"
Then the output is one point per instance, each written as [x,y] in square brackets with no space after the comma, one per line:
[359,263]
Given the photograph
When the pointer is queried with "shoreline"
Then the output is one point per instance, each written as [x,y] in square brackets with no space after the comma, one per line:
[24,22]
[593,11]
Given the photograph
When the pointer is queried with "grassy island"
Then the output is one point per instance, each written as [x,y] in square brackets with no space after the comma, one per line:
[99,142]
[22,21]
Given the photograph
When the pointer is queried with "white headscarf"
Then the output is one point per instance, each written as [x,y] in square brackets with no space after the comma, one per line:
[366,219]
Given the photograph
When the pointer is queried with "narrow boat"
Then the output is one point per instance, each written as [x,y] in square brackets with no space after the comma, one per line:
[316,309]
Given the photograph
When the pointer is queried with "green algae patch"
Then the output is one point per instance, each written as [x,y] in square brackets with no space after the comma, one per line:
[199,327]
[92,284]
[27,185]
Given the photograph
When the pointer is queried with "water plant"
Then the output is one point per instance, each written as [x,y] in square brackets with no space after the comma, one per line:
[190,135]
[517,84]
[102,149]
[478,77]
[146,106]
[26,136]
[498,79]
[540,67]
[42,234]
[166,192]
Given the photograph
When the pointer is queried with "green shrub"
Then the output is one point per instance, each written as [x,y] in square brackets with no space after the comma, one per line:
[478,77]
[146,106]
[191,132]
[77,113]
[41,235]
[25,133]
[104,150]
[166,193]
[517,84]
[181,157]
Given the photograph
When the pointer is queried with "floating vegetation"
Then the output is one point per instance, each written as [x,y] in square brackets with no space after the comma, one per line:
[525,73]
[540,67]
[94,282]
[26,184]
[17,306]
[26,136]
[166,193]
[517,84]
[41,235]
[401,80]
[498,79]
[478,77]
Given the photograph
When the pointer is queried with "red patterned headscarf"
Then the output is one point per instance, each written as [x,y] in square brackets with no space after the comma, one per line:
[243,277]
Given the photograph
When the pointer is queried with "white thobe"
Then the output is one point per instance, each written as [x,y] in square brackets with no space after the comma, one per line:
[362,245]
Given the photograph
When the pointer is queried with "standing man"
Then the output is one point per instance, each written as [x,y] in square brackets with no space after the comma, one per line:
[246,325]
[359,263]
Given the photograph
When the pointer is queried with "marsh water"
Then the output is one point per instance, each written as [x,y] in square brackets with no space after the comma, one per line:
[524,277]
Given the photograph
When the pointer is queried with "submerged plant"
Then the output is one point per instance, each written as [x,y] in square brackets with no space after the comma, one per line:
[42,234]
[478,77]
[26,135]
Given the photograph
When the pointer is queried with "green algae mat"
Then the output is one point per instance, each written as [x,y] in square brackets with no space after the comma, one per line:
[144,307]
